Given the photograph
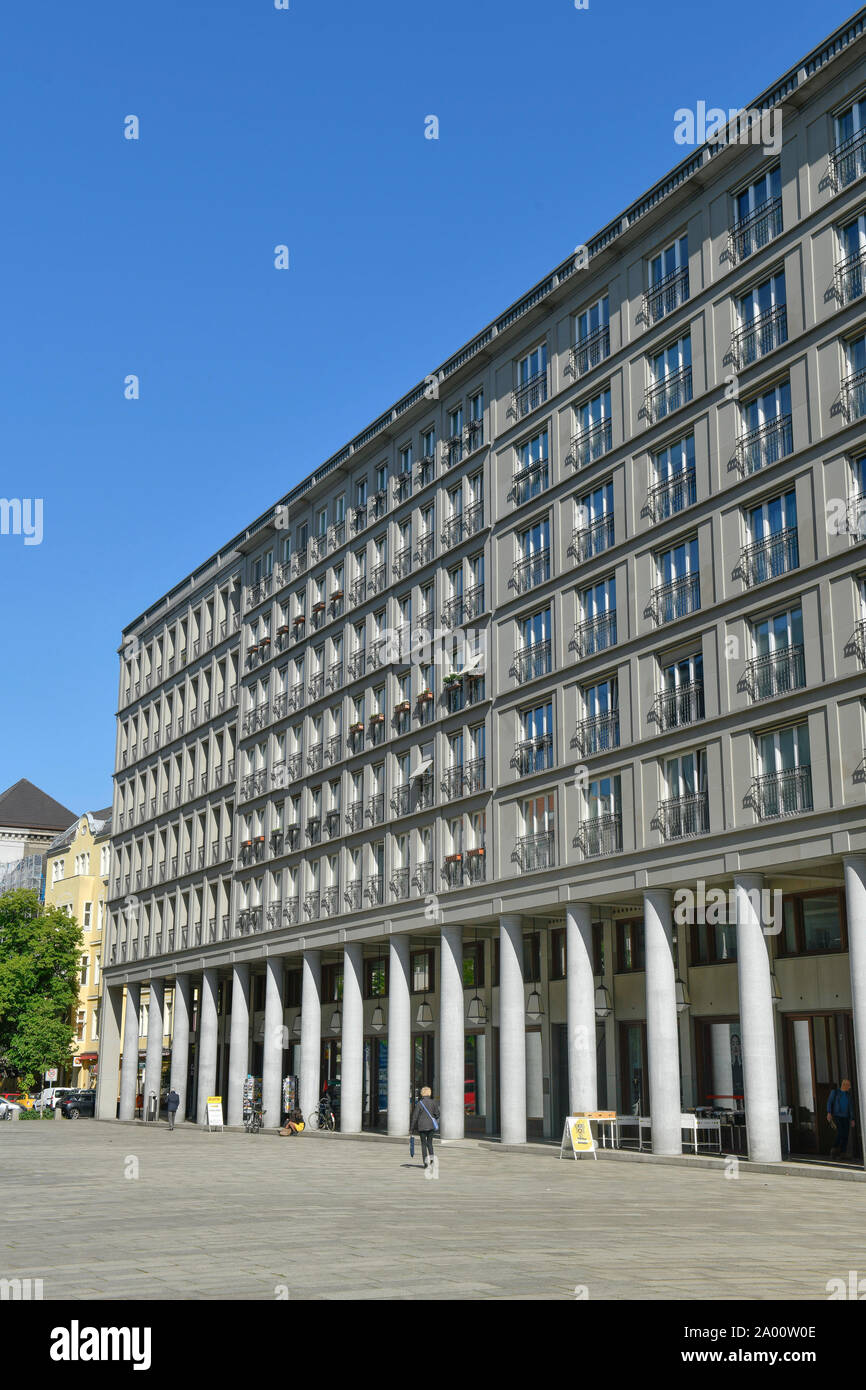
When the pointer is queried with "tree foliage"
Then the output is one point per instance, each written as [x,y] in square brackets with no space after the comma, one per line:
[40,949]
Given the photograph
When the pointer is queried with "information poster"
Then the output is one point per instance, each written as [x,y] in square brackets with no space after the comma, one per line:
[214,1112]
[578,1133]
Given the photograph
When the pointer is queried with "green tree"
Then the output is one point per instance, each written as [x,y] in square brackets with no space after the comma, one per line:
[40,949]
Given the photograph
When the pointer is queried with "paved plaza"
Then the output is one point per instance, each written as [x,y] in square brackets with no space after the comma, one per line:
[103,1211]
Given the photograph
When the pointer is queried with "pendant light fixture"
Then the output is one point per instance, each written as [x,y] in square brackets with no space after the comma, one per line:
[477,1011]
[377,1022]
[534,1006]
[603,1006]
[424,1016]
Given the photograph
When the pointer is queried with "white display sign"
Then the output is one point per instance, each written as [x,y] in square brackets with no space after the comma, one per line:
[214,1112]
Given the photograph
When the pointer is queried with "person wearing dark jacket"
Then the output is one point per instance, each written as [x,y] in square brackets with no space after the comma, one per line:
[840,1113]
[425,1122]
[172,1101]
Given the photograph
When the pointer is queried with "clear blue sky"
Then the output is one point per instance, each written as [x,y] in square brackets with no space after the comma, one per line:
[155,257]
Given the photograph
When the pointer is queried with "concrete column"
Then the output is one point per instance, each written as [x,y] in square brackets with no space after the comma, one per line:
[723,1067]
[311,1031]
[512,1032]
[399,1036]
[275,1041]
[855,899]
[208,1033]
[111,1013]
[663,1039]
[180,1044]
[580,1009]
[352,1040]
[757,1023]
[129,1068]
[153,1056]
[452,1037]
[239,1042]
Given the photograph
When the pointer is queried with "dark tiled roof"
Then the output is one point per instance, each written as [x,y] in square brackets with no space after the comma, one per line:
[26,807]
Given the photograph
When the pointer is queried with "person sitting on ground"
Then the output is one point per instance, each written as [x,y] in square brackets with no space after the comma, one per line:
[294,1123]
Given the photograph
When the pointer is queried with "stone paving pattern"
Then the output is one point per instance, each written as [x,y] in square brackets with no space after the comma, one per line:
[233,1216]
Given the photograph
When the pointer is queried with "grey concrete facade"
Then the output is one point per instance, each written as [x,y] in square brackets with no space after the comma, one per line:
[578,624]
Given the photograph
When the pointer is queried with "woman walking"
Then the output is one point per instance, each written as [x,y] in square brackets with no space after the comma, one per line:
[425,1123]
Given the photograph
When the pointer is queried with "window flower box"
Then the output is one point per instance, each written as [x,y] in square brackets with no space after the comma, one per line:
[284,627]
[299,620]
[453,679]
[356,728]
[425,695]
[253,648]
[319,607]
[475,851]
[336,595]
[265,642]
[377,718]
[453,858]
[402,707]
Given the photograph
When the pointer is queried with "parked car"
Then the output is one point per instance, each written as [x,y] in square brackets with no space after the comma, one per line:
[51,1097]
[77,1103]
[6,1108]
[23,1101]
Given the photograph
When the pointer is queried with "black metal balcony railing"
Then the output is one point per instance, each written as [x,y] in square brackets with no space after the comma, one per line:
[595,634]
[848,160]
[588,352]
[312,904]
[357,664]
[855,516]
[402,563]
[377,578]
[473,520]
[373,890]
[334,748]
[290,911]
[293,836]
[335,675]
[668,395]
[331,900]
[674,600]
[359,517]
[352,895]
[424,549]
[453,450]
[599,733]
[594,539]
[856,644]
[666,294]
[777,794]
[674,708]
[315,758]
[530,395]
[769,558]
[475,865]
[533,755]
[316,687]
[281,705]
[529,482]
[850,282]
[452,871]
[425,470]
[422,879]
[531,662]
[401,799]
[474,776]
[474,435]
[358,592]
[355,815]
[402,487]
[763,446]
[670,496]
[681,817]
[776,673]
[752,233]
[590,443]
[452,531]
[275,912]
[533,852]
[854,395]
[473,603]
[399,884]
[763,334]
[376,808]
[452,612]
[293,767]
[452,781]
[530,571]
[426,792]
[600,835]
[254,784]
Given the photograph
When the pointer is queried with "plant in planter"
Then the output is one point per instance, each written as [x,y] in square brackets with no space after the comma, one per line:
[452,679]
[300,620]
[402,707]
[425,694]
[337,594]
[453,858]
[475,851]
[319,607]
[356,728]
[377,718]
[284,627]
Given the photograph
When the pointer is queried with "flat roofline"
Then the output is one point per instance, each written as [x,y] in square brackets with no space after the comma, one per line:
[822,54]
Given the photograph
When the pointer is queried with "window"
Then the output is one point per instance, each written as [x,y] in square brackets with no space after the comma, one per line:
[684,810]
[535,848]
[812,923]
[765,429]
[854,384]
[533,556]
[763,321]
[532,476]
[601,829]
[428,443]
[674,487]
[531,380]
[778,663]
[593,530]
[668,280]
[531,957]
[534,751]
[681,698]
[852,252]
[83,969]
[671,379]
[80,1018]
[591,336]
[630,945]
[773,545]
[757,214]
[406,459]
[332,983]
[599,730]
[533,657]
[88,914]
[593,430]
[597,629]
[848,159]
[422,966]
[784,785]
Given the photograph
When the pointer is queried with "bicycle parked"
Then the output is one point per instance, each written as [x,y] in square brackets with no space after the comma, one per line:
[254,1120]
[323,1116]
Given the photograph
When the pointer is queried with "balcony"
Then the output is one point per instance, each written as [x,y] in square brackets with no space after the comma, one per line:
[529,482]
[778,794]
[359,518]
[683,817]
[769,559]
[276,842]
[775,673]
[275,912]
[672,709]
[425,471]
[337,534]
[281,703]
[530,572]
[332,824]
[590,444]
[335,675]
[452,870]
[426,792]
[399,884]
[856,644]
[531,394]
[331,900]
[357,664]
[295,698]
[597,734]
[373,890]
[474,436]
[848,160]
[531,662]
[474,777]
[401,799]
[375,811]
[290,912]
[422,879]
[473,520]
[334,748]
[753,233]
[452,450]
[452,531]
[666,295]
[849,278]
[424,550]
[314,830]
[588,352]
[854,395]
[533,755]
[358,592]
[763,446]
[316,687]
[588,541]
[674,600]
[352,896]
[599,836]
[475,866]
[452,782]
[762,335]
[668,395]
[452,612]
[378,503]
[473,603]
[670,496]
[402,488]
[594,635]
[312,905]
[532,852]
[253,784]
[293,767]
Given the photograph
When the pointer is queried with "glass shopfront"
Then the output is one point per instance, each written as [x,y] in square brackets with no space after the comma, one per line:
[819,1055]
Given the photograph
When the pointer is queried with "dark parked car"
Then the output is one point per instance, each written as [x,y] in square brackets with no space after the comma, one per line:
[77,1103]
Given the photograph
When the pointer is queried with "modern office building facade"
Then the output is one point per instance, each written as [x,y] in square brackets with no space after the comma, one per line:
[519,750]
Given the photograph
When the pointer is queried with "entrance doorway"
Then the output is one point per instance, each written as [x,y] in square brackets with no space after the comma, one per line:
[634,1072]
[375,1083]
[819,1054]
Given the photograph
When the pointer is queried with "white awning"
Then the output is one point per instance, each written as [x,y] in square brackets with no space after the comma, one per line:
[424,766]
[476,660]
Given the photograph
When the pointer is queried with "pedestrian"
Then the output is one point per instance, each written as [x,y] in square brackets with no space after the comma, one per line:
[840,1116]
[172,1101]
[425,1123]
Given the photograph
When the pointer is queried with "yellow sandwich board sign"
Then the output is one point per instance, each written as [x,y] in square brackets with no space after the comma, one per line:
[578,1132]
[214,1112]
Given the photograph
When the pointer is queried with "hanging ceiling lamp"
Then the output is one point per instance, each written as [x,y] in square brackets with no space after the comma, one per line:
[477,1011]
